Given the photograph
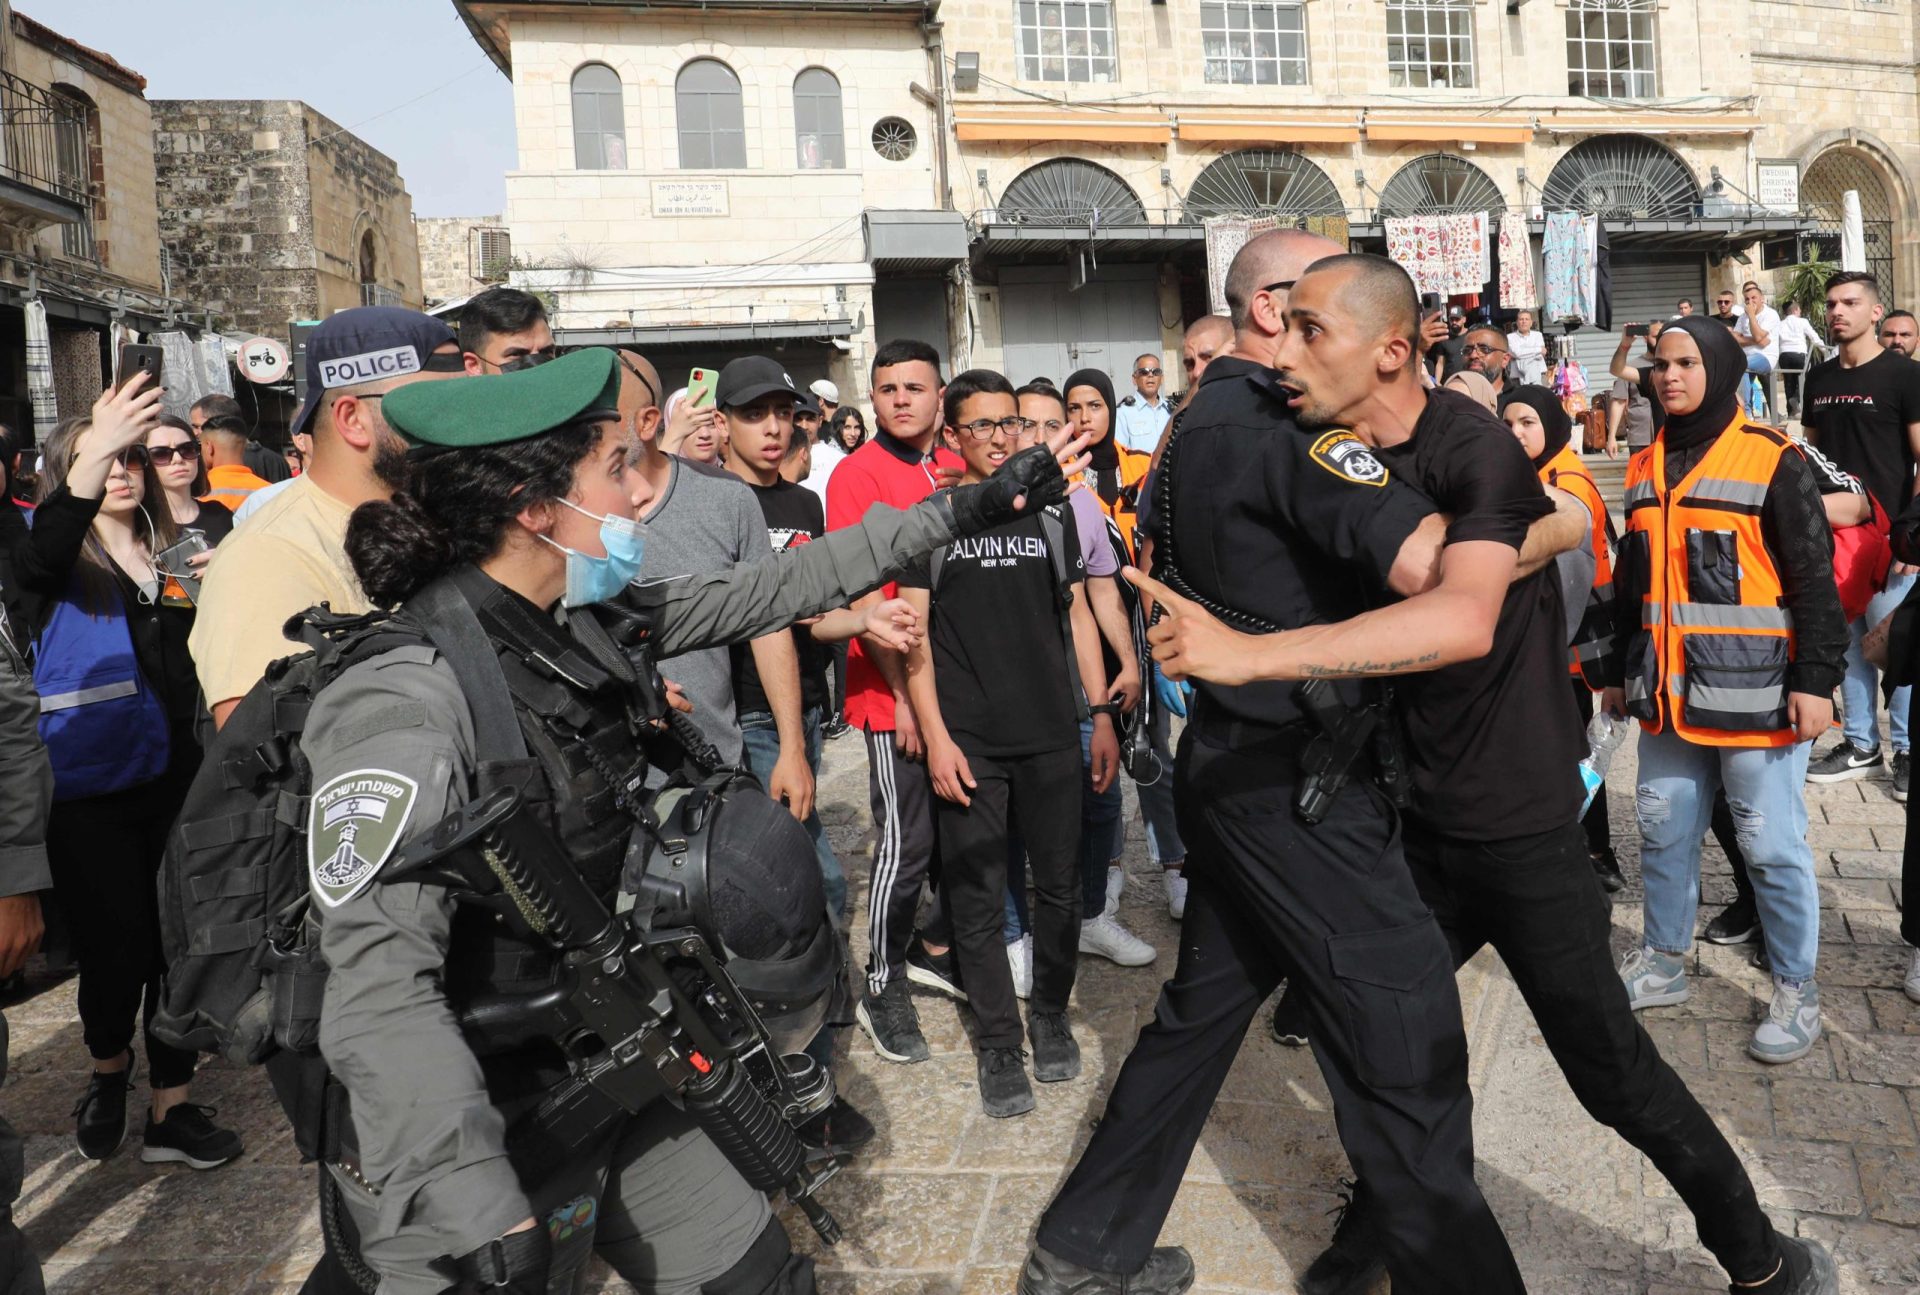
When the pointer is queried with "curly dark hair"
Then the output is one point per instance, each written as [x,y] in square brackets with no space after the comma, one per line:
[456,507]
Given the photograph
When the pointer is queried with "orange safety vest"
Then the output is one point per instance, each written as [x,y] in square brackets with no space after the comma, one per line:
[1133,470]
[1593,641]
[230,484]
[1715,640]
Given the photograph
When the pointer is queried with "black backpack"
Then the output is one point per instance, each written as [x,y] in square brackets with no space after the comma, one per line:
[244,974]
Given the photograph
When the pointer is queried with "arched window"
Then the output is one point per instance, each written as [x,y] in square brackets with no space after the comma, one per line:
[599,120]
[369,261]
[713,128]
[817,138]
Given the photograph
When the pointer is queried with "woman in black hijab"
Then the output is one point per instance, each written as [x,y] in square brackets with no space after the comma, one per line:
[1697,372]
[1089,394]
[1547,432]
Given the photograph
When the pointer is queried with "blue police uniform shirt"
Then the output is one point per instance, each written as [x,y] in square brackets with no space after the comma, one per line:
[1137,425]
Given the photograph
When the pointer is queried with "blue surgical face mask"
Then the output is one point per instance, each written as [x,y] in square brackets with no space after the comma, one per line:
[595,580]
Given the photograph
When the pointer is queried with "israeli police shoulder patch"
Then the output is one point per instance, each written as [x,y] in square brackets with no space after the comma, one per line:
[1349,458]
[356,821]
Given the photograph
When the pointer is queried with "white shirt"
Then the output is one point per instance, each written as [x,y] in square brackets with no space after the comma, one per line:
[252,503]
[1529,352]
[826,457]
[1798,335]
[1769,324]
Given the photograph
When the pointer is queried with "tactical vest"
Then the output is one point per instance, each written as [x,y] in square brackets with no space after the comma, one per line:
[1593,641]
[572,693]
[1715,641]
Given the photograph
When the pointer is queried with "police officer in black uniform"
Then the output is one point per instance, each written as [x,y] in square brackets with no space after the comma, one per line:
[1268,521]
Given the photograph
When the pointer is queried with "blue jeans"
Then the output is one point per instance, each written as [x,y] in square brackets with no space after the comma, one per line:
[1763,786]
[1164,845]
[1860,690]
[1758,367]
[762,742]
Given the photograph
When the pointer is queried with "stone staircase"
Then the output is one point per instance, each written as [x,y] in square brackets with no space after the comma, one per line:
[1611,476]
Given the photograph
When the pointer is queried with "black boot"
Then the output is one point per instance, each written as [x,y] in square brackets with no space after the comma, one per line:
[100,1116]
[1168,1271]
[1805,1269]
[1351,1263]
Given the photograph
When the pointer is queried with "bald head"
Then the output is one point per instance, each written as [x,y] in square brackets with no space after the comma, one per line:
[1208,336]
[1277,257]
[640,393]
[1375,290]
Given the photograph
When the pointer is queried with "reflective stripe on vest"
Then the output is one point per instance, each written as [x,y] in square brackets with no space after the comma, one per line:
[1593,641]
[1714,645]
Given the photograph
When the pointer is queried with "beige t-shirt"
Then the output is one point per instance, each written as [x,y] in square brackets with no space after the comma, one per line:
[288,556]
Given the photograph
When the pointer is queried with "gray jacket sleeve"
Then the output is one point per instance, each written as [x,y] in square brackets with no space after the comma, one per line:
[757,598]
[430,1137]
[26,779]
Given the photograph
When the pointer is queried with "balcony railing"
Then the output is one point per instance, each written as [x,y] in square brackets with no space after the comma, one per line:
[373,294]
[43,141]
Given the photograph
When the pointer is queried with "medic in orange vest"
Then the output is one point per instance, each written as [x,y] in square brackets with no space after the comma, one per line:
[1114,475]
[1732,641]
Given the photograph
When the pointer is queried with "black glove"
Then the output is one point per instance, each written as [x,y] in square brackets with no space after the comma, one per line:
[1033,472]
[516,1263]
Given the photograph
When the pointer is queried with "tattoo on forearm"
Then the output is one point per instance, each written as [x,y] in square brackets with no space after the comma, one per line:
[1354,669]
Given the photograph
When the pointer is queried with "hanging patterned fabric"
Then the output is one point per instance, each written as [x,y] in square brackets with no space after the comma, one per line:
[40,388]
[1333,227]
[1469,255]
[1567,250]
[1590,270]
[1517,287]
[1418,245]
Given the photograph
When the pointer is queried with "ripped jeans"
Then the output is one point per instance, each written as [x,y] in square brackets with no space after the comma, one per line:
[1675,804]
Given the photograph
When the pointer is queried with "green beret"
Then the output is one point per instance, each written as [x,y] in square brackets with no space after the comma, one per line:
[465,412]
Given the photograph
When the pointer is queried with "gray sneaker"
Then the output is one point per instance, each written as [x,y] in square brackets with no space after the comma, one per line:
[1792,1026]
[1654,979]
[1168,1271]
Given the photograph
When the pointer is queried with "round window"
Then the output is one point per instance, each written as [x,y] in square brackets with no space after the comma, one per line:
[893,139]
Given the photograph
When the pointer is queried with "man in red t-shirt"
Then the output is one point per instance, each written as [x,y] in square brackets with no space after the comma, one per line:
[899,466]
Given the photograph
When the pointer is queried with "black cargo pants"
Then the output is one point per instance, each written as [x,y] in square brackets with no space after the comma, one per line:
[1333,909]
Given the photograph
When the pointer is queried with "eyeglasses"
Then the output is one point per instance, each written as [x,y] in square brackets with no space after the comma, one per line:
[165,454]
[1480,348]
[134,456]
[981,429]
[1048,428]
[1146,373]
[531,360]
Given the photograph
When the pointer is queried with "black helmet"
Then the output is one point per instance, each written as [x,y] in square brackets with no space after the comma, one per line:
[737,867]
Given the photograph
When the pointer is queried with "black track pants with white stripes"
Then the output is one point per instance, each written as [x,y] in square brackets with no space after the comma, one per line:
[902,800]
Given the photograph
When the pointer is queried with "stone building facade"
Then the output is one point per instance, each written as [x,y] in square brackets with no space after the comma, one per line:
[459,255]
[1080,146]
[273,213]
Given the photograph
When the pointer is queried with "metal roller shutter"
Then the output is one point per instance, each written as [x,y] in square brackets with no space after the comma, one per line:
[1646,286]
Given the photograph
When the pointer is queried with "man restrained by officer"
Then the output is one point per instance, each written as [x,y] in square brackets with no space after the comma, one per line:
[1265,519]
[1493,836]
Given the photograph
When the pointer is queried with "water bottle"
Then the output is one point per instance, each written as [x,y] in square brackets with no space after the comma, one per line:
[1604,735]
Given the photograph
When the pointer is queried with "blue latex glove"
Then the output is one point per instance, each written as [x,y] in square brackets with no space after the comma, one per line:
[1173,696]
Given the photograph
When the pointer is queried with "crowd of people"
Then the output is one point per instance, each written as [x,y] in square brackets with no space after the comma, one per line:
[1353,485]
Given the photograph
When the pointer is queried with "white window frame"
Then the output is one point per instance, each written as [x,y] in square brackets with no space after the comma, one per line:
[1623,61]
[1231,37]
[1421,23]
[1062,40]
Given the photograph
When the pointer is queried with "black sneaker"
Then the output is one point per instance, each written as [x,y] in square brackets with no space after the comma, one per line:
[1607,868]
[1351,1263]
[189,1136]
[1055,1054]
[890,1021]
[835,727]
[1843,762]
[100,1116]
[1805,1269]
[1004,1089]
[1168,1271]
[1738,922]
[1289,1021]
[939,972]
[1900,776]
[835,1131]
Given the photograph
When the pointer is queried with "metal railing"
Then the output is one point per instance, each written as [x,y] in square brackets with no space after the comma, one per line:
[373,294]
[44,141]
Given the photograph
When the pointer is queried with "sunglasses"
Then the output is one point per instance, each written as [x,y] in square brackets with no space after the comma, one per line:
[1146,373]
[134,456]
[162,455]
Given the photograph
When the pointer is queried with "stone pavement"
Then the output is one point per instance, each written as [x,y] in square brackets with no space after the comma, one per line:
[945,1202]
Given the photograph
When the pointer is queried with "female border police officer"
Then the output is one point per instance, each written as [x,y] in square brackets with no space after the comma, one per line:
[522,497]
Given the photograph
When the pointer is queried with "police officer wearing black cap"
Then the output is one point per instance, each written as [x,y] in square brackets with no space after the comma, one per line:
[516,522]
[1266,525]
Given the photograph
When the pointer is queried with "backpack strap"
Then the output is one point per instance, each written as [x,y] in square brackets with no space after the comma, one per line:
[442,610]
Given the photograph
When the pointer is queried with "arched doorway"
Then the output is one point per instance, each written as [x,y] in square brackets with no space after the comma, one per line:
[1822,192]
[1622,177]
[1263,182]
[1069,191]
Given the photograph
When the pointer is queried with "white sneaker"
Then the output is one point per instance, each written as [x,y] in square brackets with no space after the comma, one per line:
[1176,883]
[1792,1026]
[1913,977]
[1654,979]
[1116,883]
[1020,962]
[1106,937]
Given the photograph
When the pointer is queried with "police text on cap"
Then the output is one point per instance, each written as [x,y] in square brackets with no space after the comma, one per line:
[369,367]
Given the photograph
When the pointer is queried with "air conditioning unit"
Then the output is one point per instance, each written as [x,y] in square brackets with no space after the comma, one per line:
[489,254]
